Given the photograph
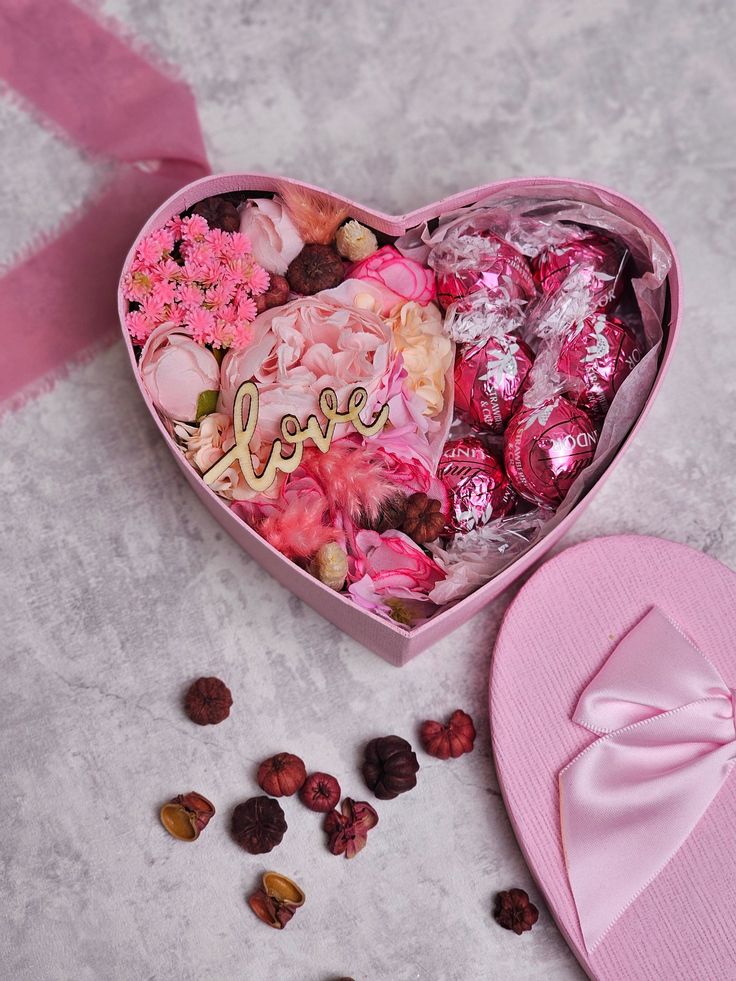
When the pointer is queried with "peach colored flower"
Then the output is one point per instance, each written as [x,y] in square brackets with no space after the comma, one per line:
[428,354]
[207,443]
[175,370]
[274,238]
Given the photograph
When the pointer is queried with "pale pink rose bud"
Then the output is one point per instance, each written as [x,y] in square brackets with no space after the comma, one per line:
[176,370]
[273,235]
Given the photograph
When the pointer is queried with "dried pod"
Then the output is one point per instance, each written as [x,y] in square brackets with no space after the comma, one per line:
[218,212]
[355,242]
[277,900]
[330,565]
[258,825]
[275,296]
[450,740]
[348,828]
[187,815]
[514,911]
[208,701]
[316,268]
[390,767]
[320,792]
[281,775]
[423,518]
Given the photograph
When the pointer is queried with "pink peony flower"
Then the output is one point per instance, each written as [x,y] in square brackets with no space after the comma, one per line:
[303,347]
[273,235]
[389,566]
[175,370]
[398,278]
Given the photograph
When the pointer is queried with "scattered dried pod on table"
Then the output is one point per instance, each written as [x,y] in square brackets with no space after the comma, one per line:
[514,911]
[275,296]
[277,900]
[316,268]
[208,701]
[453,739]
[281,775]
[348,828]
[219,213]
[423,518]
[330,565]
[320,792]
[187,815]
[390,767]
[258,825]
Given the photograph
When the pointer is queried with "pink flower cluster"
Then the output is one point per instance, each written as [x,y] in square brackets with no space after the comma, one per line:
[207,290]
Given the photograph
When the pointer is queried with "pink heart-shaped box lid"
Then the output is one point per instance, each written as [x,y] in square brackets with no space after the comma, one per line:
[392,642]
[555,636]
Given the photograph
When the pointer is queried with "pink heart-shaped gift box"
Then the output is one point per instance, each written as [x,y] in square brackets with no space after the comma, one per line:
[391,641]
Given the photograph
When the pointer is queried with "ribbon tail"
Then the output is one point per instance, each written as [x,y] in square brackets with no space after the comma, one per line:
[630,800]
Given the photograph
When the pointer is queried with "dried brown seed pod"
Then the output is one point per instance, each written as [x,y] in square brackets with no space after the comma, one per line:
[514,911]
[218,212]
[390,767]
[208,701]
[281,775]
[423,518]
[277,900]
[275,296]
[258,825]
[187,815]
[316,268]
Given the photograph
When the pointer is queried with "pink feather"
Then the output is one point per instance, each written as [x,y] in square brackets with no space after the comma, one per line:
[354,479]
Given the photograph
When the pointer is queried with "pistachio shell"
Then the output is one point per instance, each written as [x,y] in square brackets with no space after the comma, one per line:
[282,889]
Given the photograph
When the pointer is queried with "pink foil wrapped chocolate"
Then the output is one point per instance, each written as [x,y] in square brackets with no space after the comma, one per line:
[479,489]
[596,357]
[546,447]
[598,263]
[473,260]
[489,380]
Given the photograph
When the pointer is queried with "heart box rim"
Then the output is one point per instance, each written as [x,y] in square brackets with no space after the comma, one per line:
[390,641]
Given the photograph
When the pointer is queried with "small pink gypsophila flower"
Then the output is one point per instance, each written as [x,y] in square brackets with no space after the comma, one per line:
[207,290]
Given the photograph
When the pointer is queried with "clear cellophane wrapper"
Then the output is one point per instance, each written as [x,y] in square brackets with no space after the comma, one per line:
[529,224]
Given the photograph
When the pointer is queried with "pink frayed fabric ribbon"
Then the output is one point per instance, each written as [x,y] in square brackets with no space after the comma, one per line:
[630,800]
[60,303]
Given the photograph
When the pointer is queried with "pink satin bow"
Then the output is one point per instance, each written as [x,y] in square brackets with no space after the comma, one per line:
[628,802]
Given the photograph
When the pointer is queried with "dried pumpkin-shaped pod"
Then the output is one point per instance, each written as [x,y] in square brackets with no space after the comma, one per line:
[277,900]
[390,767]
[258,825]
[281,775]
[187,815]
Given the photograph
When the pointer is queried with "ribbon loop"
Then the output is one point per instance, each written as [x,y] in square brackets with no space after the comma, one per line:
[630,800]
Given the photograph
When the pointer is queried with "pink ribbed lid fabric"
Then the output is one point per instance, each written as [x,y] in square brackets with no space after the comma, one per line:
[555,636]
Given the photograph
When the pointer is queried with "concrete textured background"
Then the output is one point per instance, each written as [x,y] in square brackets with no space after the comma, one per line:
[117,588]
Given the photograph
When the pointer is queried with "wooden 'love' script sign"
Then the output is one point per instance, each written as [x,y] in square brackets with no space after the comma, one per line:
[292,433]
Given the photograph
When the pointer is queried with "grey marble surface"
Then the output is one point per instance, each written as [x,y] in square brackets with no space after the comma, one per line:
[117,588]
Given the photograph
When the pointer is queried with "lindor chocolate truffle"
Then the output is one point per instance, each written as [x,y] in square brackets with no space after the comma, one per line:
[489,380]
[597,260]
[475,259]
[596,357]
[479,489]
[546,447]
